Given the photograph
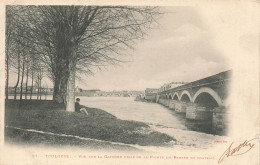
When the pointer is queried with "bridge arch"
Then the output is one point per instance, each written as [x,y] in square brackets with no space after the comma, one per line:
[209,95]
[185,96]
[170,96]
[176,96]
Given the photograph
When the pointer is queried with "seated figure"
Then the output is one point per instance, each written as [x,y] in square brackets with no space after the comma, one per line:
[79,108]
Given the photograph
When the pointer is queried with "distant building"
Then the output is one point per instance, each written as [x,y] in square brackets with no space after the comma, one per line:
[175,84]
[150,94]
[82,92]
[135,93]
[171,85]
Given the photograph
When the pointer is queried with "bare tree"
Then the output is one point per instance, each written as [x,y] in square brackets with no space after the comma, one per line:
[95,36]
[79,38]
[13,48]
[19,47]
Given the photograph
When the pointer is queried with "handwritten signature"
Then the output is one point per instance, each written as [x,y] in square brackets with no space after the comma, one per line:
[242,148]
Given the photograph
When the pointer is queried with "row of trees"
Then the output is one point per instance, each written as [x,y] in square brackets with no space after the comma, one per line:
[21,59]
[67,41]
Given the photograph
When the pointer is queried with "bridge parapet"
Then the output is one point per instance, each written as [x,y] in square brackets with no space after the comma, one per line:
[220,78]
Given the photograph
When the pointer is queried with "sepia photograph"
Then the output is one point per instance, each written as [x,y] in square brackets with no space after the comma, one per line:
[130,83]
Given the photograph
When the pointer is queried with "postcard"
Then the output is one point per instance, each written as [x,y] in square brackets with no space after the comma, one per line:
[129,82]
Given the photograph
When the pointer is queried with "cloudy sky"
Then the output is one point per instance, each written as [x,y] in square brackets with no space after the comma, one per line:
[183,48]
[186,46]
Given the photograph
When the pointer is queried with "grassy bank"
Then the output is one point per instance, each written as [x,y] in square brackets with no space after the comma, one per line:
[50,117]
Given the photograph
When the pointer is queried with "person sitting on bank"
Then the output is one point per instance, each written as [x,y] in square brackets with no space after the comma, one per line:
[79,108]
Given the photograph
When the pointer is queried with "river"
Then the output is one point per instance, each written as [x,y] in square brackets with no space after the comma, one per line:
[126,108]
[157,116]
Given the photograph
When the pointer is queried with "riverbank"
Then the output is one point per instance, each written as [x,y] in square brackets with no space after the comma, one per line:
[52,122]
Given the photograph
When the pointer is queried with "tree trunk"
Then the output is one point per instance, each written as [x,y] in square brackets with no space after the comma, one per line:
[37,93]
[60,89]
[18,74]
[56,89]
[26,85]
[63,89]
[41,84]
[7,74]
[70,106]
[61,80]
[21,91]
[45,92]
[38,87]
[70,97]
[21,86]
[31,87]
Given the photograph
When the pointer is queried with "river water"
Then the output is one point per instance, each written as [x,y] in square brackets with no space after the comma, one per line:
[157,116]
[126,108]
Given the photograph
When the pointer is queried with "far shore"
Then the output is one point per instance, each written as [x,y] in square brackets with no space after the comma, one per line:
[50,95]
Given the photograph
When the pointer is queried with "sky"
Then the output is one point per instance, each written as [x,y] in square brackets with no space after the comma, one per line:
[181,48]
[187,45]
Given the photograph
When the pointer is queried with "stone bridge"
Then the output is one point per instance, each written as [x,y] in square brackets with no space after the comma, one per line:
[209,92]
[201,100]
